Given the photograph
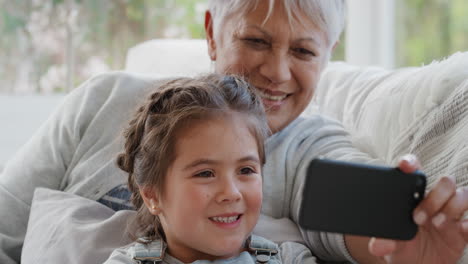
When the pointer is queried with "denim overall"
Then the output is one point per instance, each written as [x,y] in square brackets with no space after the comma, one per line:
[262,250]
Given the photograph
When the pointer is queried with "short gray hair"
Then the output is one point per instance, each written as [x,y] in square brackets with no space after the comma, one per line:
[328,15]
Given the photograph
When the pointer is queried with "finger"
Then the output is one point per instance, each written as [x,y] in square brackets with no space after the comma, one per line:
[464,227]
[457,205]
[435,200]
[409,163]
[380,247]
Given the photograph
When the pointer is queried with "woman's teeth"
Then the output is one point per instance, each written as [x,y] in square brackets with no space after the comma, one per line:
[225,219]
[271,97]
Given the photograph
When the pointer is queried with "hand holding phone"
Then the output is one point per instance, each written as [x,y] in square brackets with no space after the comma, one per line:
[361,199]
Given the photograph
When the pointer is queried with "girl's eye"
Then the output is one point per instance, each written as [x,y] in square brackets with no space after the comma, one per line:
[205,174]
[247,170]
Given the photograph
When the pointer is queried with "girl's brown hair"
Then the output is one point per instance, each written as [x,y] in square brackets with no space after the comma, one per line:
[151,136]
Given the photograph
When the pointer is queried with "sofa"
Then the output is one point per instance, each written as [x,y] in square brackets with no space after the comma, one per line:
[421,110]
[21,115]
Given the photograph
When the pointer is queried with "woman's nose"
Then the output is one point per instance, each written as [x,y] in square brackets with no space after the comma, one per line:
[276,67]
[229,192]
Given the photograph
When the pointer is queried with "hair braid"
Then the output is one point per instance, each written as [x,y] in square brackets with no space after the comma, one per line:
[150,138]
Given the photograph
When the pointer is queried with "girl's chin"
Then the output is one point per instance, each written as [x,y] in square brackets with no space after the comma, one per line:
[227,251]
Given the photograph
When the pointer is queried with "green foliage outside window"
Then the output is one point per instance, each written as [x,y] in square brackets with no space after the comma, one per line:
[40,37]
[430,29]
[49,45]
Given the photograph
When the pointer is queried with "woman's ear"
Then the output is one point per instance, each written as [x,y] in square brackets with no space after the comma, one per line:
[151,200]
[209,36]
[335,45]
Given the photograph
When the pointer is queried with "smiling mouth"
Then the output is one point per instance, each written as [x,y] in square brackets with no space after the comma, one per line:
[265,95]
[225,220]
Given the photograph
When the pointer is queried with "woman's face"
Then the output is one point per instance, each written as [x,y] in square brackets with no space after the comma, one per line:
[282,61]
[213,192]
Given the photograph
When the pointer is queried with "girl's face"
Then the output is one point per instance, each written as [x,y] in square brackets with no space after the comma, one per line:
[213,191]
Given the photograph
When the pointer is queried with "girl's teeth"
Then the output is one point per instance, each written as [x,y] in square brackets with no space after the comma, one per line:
[225,219]
[271,97]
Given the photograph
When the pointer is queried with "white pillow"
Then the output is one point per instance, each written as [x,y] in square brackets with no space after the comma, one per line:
[166,58]
[65,228]
[376,105]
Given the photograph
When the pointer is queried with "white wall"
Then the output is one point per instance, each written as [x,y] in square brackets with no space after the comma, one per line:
[370,35]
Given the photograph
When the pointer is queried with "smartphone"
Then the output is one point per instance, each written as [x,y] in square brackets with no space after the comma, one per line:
[361,199]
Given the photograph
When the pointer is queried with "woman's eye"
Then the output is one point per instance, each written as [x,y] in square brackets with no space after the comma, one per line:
[256,42]
[304,52]
[205,174]
[247,170]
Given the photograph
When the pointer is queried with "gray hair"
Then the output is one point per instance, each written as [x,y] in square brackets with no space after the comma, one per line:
[328,15]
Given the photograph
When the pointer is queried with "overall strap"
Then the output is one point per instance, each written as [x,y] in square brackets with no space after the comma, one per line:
[262,248]
[150,253]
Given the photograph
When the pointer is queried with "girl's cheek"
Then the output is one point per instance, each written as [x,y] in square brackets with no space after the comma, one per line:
[257,194]
[196,194]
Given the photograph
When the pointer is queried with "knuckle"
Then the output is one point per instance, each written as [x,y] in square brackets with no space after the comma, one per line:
[430,206]
[462,194]
[458,205]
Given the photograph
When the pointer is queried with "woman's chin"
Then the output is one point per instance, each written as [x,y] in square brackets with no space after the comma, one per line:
[276,121]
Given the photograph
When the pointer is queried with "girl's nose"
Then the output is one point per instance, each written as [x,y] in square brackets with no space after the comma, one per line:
[229,192]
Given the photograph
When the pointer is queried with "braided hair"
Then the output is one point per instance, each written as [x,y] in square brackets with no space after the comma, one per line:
[152,133]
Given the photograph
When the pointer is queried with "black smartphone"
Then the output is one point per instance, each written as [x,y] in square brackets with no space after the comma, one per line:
[361,199]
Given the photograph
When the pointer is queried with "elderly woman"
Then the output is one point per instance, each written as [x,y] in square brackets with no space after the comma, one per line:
[279,46]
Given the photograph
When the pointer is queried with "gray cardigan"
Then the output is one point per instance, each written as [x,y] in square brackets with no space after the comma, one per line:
[75,151]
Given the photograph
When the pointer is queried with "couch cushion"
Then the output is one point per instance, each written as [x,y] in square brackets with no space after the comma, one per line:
[65,228]
[21,116]
[376,105]
[169,57]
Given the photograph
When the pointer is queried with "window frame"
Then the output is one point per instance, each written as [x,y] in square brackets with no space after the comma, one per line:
[370,38]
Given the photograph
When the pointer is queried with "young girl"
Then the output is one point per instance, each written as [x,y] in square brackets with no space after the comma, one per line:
[194,153]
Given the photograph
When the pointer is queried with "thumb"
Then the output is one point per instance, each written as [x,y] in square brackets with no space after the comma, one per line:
[381,247]
[409,163]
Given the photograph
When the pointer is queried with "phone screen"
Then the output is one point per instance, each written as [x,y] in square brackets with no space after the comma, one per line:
[361,199]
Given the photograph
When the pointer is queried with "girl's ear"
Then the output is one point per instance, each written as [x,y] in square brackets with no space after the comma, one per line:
[151,200]
[209,36]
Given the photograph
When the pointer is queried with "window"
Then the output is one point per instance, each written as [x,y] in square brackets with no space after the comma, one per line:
[400,33]
[54,45]
[430,29]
